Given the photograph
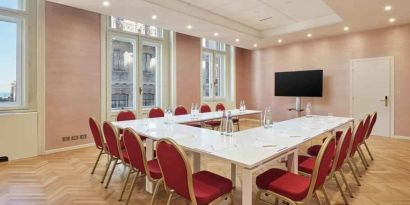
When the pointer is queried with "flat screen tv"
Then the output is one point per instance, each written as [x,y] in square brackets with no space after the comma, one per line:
[307,83]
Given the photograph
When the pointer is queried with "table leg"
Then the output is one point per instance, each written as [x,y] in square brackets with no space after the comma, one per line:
[292,162]
[261,118]
[197,162]
[246,186]
[233,174]
[150,155]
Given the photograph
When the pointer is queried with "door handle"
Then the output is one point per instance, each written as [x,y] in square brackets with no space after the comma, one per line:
[386,101]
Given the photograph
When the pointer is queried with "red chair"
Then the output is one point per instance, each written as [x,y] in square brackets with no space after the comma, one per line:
[235,120]
[306,164]
[125,115]
[369,132]
[139,164]
[357,138]
[98,140]
[212,123]
[294,188]
[114,150]
[199,188]
[181,110]
[155,112]
[366,127]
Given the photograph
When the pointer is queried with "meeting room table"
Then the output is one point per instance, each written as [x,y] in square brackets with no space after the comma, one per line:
[247,150]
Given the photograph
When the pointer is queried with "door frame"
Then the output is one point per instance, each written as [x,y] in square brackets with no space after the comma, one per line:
[392,94]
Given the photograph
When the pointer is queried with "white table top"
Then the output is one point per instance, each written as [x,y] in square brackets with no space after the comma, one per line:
[245,148]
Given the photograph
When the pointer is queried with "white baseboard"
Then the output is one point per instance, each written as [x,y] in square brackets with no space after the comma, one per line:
[401,137]
[51,151]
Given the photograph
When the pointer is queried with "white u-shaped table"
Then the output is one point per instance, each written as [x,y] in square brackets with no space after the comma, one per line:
[248,149]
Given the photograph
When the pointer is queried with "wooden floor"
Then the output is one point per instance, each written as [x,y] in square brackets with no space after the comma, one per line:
[64,178]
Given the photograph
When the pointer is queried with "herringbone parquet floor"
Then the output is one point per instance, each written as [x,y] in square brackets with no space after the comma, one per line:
[64,178]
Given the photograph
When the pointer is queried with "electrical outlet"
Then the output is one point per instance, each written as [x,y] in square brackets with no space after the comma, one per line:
[84,136]
[65,139]
[74,137]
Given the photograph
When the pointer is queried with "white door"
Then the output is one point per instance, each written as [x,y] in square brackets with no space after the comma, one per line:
[372,91]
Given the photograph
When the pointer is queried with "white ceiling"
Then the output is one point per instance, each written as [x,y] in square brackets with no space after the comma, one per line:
[255,21]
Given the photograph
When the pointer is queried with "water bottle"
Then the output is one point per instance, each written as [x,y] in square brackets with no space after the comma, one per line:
[243,106]
[267,118]
[229,126]
[308,109]
[224,121]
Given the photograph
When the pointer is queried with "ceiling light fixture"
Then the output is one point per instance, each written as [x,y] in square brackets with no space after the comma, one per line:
[216,34]
[392,20]
[387,8]
[255,45]
[189,27]
[154,17]
[106,3]
[279,40]
[346,28]
[237,40]
[309,35]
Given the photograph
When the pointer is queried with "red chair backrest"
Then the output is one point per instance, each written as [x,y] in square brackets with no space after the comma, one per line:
[96,131]
[204,108]
[175,169]
[155,112]
[111,137]
[357,138]
[372,123]
[180,110]
[366,125]
[135,149]
[125,115]
[324,161]
[220,107]
[344,144]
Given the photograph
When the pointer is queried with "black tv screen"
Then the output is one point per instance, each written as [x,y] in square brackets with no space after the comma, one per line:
[307,83]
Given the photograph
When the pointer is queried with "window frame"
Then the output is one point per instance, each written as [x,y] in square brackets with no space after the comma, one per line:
[21,18]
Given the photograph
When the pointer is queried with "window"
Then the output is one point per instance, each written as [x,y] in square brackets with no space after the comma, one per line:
[12,53]
[123,73]
[134,27]
[150,65]
[135,62]
[213,69]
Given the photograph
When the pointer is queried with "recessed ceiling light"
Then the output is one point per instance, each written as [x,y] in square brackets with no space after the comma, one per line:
[309,35]
[216,34]
[106,3]
[154,17]
[255,45]
[189,27]
[392,20]
[279,40]
[387,8]
[346,28]
[237,40]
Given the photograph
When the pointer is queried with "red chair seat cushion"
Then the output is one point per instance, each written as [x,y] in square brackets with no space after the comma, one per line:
[235,120]
[213,123]
[306,164]
[154,169]
[194,124]
[284,183]
[314,150]
[209,186]
[125,156]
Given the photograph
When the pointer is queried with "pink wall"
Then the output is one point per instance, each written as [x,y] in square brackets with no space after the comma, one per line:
[333,54]
[73,73]
[188,62]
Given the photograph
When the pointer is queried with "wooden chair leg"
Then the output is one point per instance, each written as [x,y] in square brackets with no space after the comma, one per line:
[96,162]
[346,184]
[317,198]
[106,169]
[326,196]
[340,189]
[362,157]
[238,126]
[368,151]
[156,191]
[169,198]
[131,189]
[353,172]
[356,167]
[112,171]
[125,184]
